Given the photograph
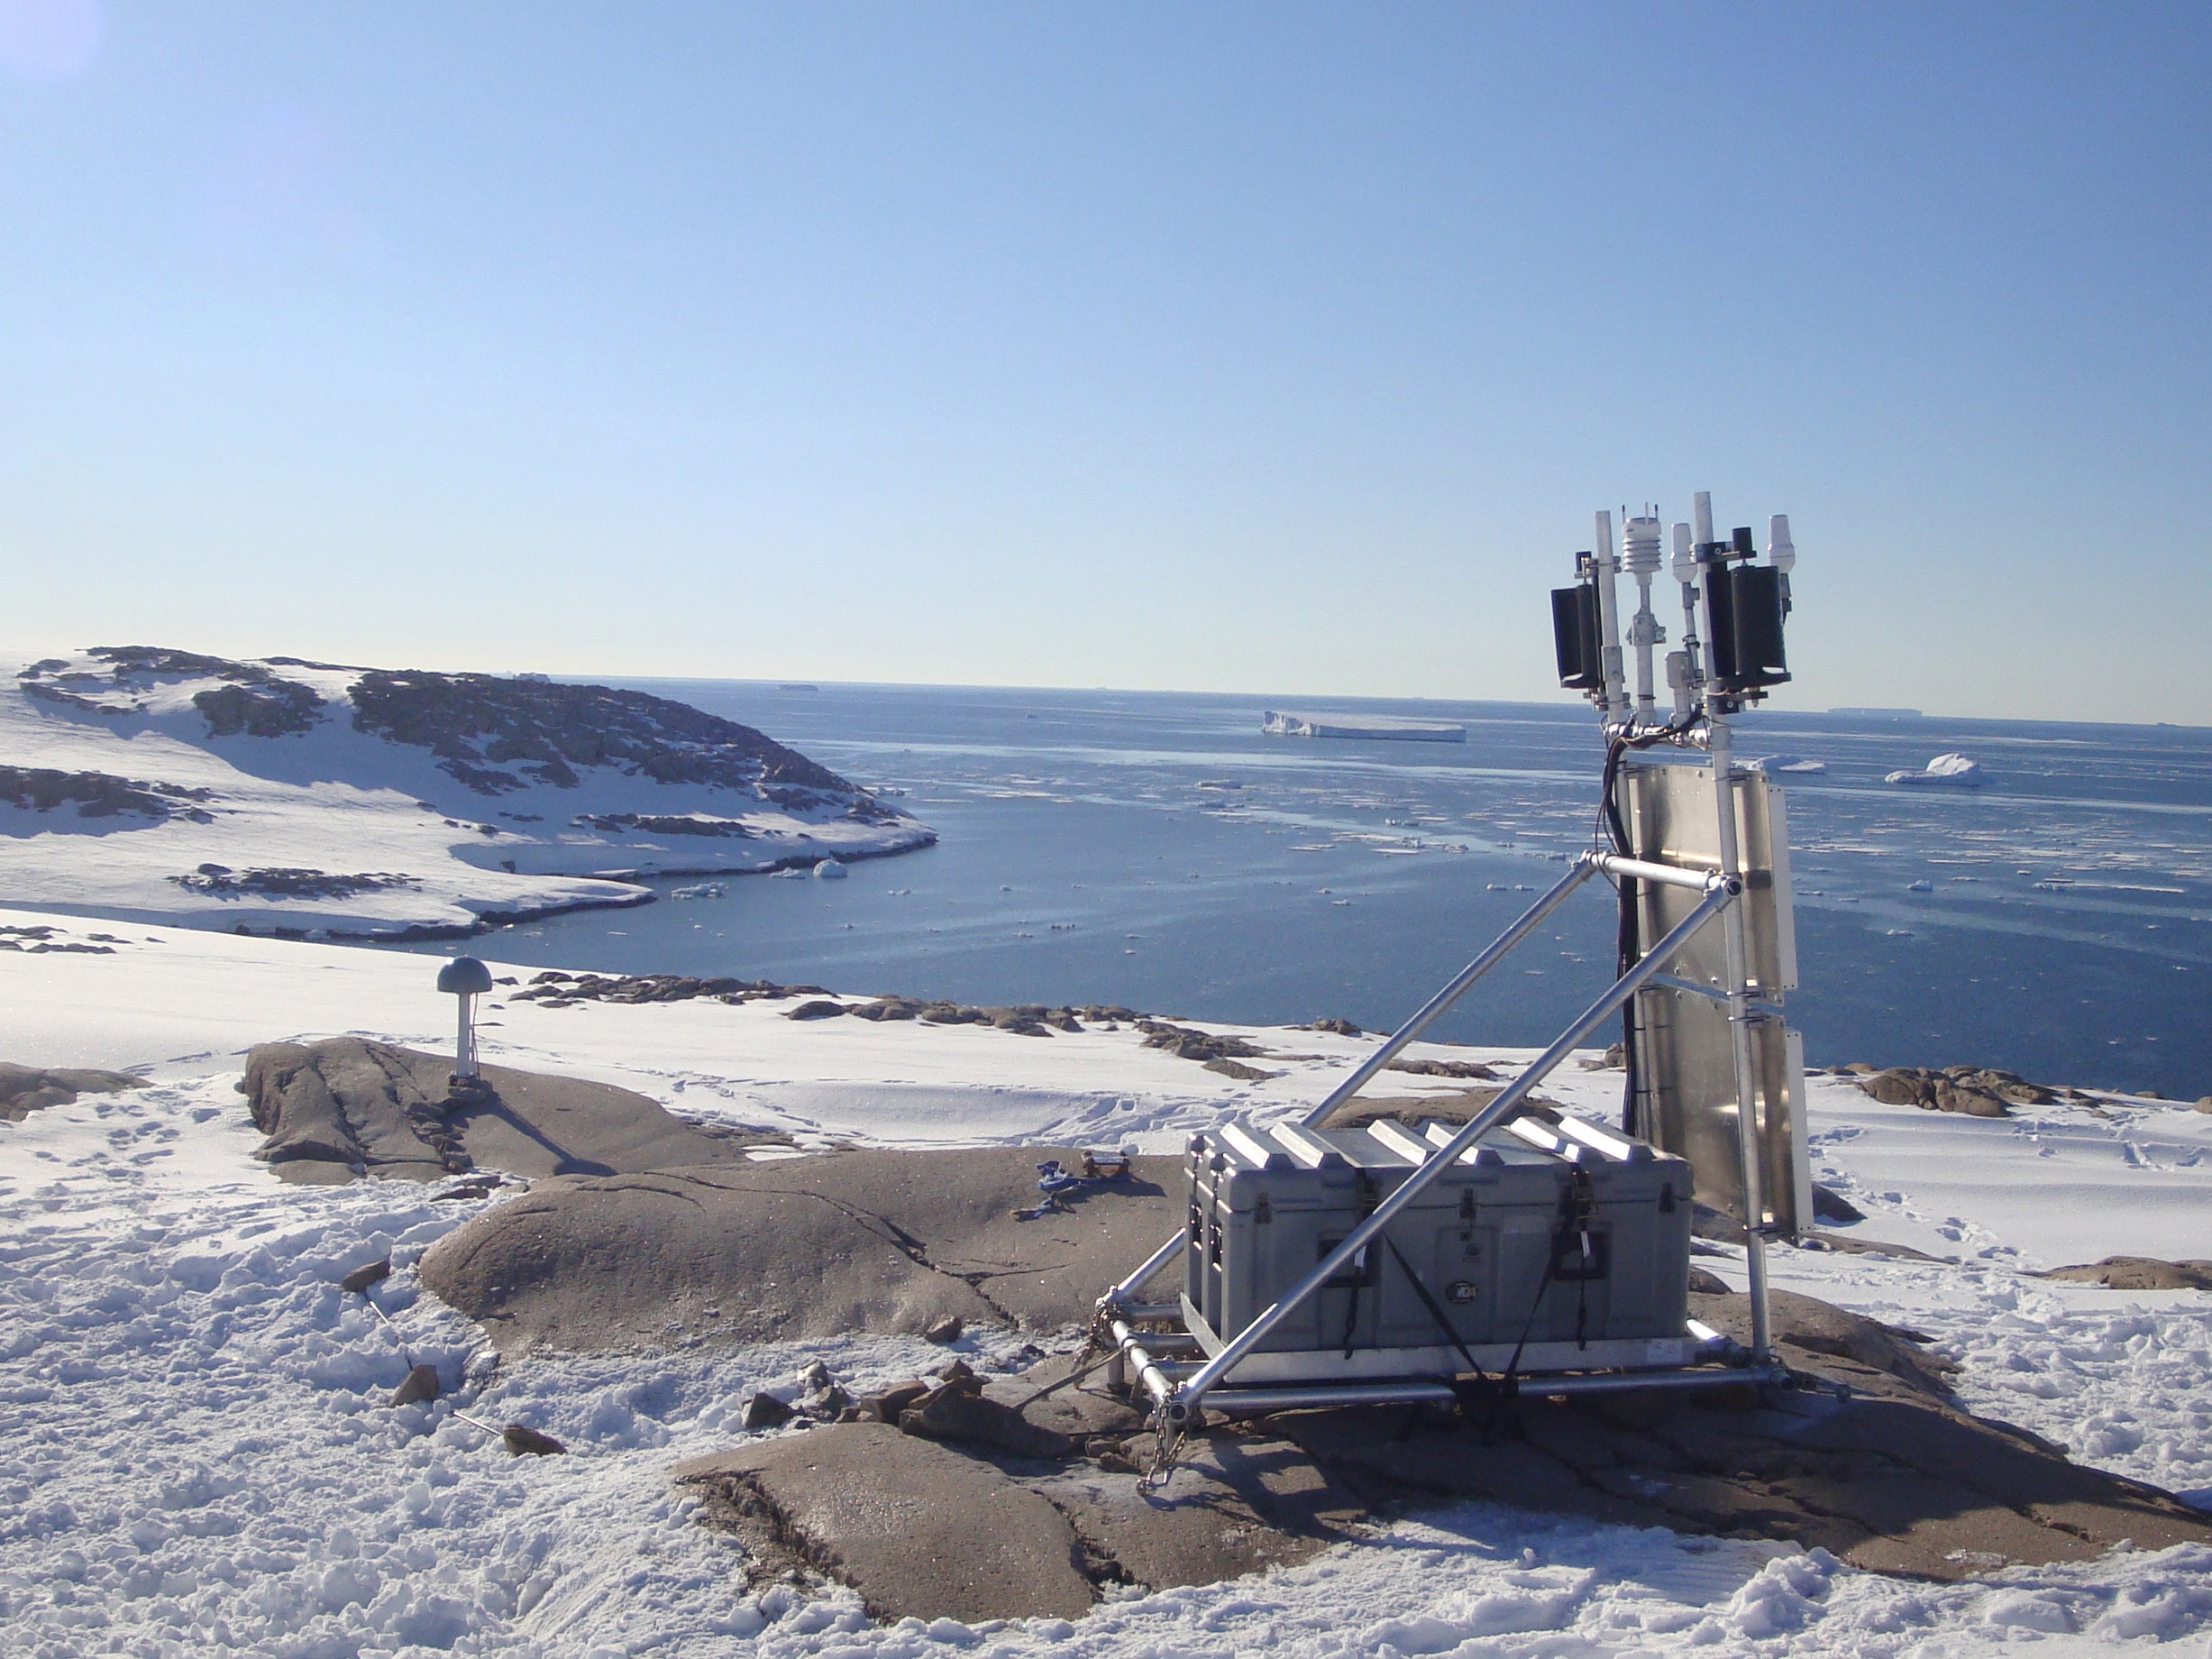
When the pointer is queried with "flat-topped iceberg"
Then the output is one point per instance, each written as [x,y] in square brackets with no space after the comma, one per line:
[1797,764]
[1952,769]
[1281,723]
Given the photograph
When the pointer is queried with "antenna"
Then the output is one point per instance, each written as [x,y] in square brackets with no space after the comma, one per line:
[465,979]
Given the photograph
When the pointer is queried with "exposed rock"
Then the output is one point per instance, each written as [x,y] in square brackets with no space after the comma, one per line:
[421,1384]
[665,824]
[821,1008]
[797,1248]
[766,1411]
[2138,1273]
[895,1401]
[1241,1501]
[918,1529]
[1186,1042]
[492,732]
[222,882]
[24,1089]
[960,1411]
[100,795]
[1704,1283]
[523,1441]
[1465,1070]
[1833,1207]
[946,1329]
[357,1281]
[1979,1091]
[1874,1463]
[1342,1028]
[273,709]
[1240,1071]
[346,1107]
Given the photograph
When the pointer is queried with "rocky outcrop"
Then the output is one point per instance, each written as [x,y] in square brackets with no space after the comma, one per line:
[493,733]
[223,881]
[1865,1453]
[1979,1091]
[797,1248]
[24,1089]
[2138,1273]
[98,794]
[346,1107]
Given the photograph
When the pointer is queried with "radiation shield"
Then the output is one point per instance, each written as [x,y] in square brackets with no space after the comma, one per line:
[1686,1097]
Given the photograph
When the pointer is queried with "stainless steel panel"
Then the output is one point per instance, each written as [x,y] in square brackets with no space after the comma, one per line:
[1686,1101]
[1671,813]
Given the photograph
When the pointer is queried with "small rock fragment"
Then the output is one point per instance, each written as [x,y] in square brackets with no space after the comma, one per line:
[892,1404]
[421,1384]
[366,1275]
[523,1441]
[766,1411]
[955,1413]
[945,1328]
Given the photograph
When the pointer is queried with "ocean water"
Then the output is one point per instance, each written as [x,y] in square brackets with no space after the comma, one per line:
[1158,850]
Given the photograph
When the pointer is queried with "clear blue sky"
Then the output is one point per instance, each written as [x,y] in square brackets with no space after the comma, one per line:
[1275,347]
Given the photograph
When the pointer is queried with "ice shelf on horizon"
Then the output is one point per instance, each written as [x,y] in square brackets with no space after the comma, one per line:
[1281,723]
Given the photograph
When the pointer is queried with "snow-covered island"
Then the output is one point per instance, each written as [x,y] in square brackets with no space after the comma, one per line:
[287,797]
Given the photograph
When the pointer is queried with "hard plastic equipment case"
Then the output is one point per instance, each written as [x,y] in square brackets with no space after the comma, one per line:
[1572,1237]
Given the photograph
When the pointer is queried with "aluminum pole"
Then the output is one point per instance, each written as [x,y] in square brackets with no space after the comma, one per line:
[1435,1007]
[1719,891]
[1749,1142]
[1135,1282]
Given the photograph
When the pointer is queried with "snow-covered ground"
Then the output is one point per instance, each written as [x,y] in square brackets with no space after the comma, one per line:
[317,824]
[196,1458]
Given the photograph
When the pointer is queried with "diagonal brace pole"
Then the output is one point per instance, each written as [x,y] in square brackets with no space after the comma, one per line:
[1583,867]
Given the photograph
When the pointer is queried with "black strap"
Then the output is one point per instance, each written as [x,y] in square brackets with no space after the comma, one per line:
[1577,1205]
[1435,1307]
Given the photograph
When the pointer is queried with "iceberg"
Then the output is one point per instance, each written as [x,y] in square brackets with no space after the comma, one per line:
[1279,723]
[1953,769]
[1790,763]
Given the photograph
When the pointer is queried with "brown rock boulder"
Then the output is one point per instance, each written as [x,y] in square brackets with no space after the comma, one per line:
[919,1529]
[347,1107]
[797,1248]
[24,1089]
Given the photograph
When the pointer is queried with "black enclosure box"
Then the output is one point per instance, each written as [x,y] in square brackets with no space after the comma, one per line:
[1574,637]
[1745,603]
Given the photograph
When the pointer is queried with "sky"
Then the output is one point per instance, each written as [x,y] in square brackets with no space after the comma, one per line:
[1263,348]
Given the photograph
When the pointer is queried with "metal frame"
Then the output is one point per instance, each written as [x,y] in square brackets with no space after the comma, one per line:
[1180,1390]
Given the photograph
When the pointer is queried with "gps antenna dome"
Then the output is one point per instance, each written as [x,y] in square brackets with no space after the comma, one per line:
[465,978]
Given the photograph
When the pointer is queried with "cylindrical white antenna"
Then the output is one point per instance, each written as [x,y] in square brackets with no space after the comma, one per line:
[1612,702]
[1781,552]
[1701,510]
[1640,556]
[1686,571]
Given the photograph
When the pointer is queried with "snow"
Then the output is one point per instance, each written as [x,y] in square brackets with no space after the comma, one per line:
[450,856]
[197,1457]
